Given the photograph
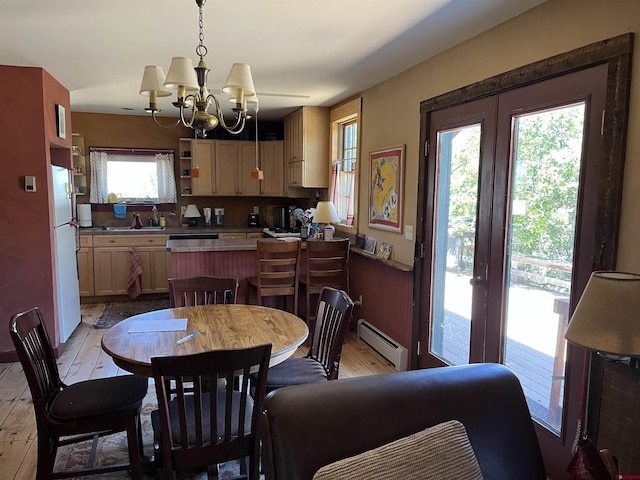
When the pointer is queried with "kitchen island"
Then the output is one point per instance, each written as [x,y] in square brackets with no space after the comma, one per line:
[220,258]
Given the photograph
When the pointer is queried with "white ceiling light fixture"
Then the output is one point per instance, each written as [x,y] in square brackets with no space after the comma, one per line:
[191,86]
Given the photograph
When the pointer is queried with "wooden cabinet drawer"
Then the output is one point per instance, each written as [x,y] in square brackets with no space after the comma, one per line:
[130,240]
[231,236]
[86,241]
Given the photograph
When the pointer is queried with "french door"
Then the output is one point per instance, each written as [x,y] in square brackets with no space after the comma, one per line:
[510,215]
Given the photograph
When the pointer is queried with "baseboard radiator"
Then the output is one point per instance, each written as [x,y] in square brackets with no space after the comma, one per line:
[382,344]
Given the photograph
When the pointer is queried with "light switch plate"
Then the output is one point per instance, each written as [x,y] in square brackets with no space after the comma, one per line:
[408,232]
[30,184]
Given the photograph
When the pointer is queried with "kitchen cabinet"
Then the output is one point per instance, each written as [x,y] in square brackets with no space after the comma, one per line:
[234,162]
[307,147]
[111,257]
[196,163]
[232,235]
[272,165]
[85,266]
[79,164]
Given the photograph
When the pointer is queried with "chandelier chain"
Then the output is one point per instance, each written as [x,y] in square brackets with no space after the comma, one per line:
[201,49]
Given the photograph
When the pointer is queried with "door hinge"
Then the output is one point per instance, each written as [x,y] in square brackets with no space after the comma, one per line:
[602,124]
[418,348]
[422,250]
[426,148]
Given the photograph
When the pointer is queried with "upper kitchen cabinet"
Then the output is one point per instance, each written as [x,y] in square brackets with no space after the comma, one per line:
[234,162]
[306,147]
[197,167]
[272,165]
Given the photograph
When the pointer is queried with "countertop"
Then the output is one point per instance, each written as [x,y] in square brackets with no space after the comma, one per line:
[221,245]
[166,230]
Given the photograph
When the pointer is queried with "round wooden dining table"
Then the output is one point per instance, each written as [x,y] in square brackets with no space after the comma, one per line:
[134,341]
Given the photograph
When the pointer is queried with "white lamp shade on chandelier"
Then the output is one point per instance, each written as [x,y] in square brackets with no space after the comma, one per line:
[153,82]
[182,75]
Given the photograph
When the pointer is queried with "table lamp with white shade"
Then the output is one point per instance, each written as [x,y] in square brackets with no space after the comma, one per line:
[192,214]
[607,318]
[326,214]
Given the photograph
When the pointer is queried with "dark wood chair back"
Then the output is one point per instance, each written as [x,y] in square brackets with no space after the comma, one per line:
[197,424]
[68,414]
[332,319]
[326,266]
[203,290]
[277,269]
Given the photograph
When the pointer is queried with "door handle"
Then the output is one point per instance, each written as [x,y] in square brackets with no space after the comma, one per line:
[476,281]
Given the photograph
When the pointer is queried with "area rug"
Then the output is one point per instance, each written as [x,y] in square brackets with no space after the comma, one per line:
[115,312]
[113,449]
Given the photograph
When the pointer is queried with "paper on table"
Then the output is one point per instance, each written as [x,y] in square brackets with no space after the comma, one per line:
[172,325]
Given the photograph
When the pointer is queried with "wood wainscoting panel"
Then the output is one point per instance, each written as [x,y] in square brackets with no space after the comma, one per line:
[387,294]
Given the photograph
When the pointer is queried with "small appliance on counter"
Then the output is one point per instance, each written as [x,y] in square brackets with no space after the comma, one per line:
[253,220]
[219,214]
[84,214]
[207,216]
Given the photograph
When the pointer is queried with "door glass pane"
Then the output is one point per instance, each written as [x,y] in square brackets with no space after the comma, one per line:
[546,173]
[457,197]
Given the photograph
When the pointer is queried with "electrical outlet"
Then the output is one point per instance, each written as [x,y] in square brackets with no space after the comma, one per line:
[183,210]
[408,232]
[256,210]
[360,301]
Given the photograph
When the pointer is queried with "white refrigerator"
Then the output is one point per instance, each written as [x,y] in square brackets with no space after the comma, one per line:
[66,265]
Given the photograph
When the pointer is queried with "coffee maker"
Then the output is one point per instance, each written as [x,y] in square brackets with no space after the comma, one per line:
[219,216]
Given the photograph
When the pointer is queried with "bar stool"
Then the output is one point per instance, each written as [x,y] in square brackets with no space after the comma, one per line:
[326,266]
[277,270]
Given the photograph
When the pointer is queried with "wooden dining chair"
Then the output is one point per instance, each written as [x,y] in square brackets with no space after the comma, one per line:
[322,361]
[326,266]
[277,270]
[198,427]
[202,290]
[81,411]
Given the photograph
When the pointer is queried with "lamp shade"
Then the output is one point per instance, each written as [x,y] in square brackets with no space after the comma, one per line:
[326,213]
[153,81]
[192,211]
[607,318]
[182,74]
[239,82]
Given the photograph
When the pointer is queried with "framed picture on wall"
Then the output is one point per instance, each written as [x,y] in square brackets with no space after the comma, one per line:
[61,126]
[385,188]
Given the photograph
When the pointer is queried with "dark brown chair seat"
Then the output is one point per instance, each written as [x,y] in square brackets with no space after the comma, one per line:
[322,361]
[85,410]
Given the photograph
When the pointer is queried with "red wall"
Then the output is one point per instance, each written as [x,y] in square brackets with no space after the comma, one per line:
[28,97]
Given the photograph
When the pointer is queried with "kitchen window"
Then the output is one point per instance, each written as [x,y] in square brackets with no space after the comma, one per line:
[134,176]
[344,152]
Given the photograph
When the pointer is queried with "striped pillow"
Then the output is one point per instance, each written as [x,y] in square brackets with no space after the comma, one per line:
[441,451]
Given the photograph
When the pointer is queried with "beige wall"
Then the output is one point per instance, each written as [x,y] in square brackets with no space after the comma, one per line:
[391,110]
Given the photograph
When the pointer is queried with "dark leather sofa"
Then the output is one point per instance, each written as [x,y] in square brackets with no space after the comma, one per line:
[309,426]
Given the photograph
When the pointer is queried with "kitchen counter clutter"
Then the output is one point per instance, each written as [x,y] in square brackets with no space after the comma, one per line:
[223,232]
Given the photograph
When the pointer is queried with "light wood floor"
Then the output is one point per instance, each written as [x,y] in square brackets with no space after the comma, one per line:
[84,359]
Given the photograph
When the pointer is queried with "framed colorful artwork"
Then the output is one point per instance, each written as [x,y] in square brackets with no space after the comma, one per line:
[385,188]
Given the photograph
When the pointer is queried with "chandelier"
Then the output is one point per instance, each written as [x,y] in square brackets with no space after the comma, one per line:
[194,100]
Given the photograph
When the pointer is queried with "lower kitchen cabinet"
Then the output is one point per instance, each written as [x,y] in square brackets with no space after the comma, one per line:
[111,258]
[85,266]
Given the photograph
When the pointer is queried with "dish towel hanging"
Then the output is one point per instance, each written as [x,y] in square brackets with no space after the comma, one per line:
[134,287]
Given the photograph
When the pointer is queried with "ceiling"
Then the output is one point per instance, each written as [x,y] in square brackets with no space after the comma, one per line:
[301,52]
